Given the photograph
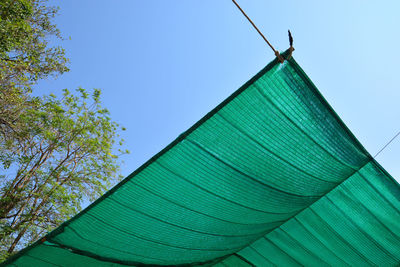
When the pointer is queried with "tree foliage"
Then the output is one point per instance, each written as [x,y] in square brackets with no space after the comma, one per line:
[63,155]
[25,30]
[25,54]
[55,153]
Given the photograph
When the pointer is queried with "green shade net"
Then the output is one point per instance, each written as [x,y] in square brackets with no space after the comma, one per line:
[271,176]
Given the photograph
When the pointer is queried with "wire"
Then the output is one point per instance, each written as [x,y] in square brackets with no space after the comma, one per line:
[262,35]
[387,144]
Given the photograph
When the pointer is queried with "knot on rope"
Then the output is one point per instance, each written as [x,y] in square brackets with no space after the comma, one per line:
[278,55]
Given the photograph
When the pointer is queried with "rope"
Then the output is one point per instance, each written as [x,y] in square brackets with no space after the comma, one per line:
[255,27]
[387,144]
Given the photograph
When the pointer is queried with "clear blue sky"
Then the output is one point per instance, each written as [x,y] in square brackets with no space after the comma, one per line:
[162,65]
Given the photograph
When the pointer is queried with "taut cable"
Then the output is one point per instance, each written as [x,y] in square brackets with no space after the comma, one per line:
[387,144]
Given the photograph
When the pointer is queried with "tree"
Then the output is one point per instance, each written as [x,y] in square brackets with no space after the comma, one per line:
[55,153]
[62,156]
[25,55]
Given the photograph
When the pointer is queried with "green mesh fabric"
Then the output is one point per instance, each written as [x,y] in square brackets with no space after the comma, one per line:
[271,176]
[355,224]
